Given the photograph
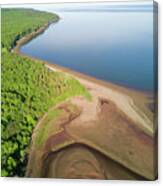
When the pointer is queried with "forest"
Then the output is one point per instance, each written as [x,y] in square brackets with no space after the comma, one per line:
[17,23]
[28,89]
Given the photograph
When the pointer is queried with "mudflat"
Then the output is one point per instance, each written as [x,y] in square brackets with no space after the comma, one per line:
[117,124]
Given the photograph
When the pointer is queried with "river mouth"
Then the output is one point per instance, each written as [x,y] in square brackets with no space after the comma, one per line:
[90,43]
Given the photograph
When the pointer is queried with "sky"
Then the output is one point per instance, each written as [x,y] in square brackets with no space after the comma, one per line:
[86,6]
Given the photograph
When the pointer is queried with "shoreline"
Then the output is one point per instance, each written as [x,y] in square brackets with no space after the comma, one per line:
[112,92]
[116,122]
[32,35]
[41,30]
[135,100]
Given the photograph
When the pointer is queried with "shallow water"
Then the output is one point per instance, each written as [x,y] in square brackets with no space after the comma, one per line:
[115,46]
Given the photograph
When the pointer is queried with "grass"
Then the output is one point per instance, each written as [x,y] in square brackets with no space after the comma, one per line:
[50,124]
[47,127]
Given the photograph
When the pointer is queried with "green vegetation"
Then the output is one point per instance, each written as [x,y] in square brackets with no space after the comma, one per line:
[17,23]
[29,89]
[47,127]
[49,124]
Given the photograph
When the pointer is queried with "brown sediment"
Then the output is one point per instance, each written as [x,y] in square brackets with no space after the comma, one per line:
[114,134]
[117,123]
[110,133]
[56,139]
[109,108]
[80,161]
[125,139]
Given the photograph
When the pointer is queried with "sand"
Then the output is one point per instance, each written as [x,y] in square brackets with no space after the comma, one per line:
[123,101]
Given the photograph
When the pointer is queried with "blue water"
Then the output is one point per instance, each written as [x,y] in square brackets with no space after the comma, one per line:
[114,46]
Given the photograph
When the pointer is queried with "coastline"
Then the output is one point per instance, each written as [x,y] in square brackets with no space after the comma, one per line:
[132,104]
[119,95]
[133,98]
[116,122]
[32,35]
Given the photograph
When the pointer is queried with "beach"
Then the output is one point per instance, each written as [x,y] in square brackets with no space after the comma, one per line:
[123,97]
[117,94]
